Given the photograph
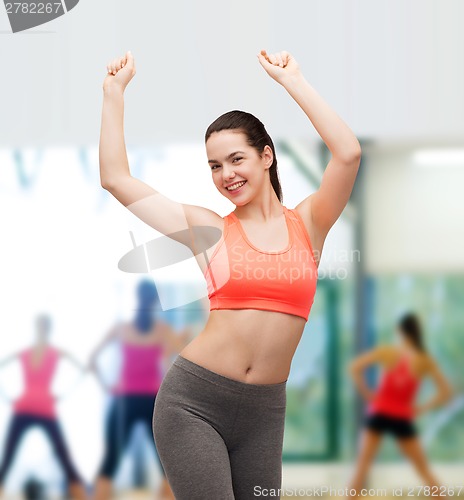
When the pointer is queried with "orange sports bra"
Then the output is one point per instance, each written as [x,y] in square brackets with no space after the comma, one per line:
[241,276]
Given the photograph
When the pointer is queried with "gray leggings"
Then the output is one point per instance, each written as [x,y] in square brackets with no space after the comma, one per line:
[218,438]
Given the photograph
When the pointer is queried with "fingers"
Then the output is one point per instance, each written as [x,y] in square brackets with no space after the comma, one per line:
[278,59]
[285,57]
[116,64]
[129,58]
[113,66]
[264,55]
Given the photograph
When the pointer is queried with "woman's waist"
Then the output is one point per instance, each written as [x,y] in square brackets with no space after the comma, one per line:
[235,365]
[36,393]
[398,397]
[394,404]
[138,384]
[255,323]
[262,356]
[36,404]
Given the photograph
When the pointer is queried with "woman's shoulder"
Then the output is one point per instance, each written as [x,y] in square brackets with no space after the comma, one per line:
[54,350]
[124,330]
[419,360]
[206,226]
[390,354]
[161,327]
[132,335]
[203,217]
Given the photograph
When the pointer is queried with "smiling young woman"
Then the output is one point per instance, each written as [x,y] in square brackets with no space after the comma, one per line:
[220,411]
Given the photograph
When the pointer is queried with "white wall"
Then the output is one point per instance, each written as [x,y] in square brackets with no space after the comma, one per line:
[414,214]
[389,68]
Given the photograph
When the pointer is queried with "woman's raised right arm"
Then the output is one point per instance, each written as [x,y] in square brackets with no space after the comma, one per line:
[115,174]
[155,209]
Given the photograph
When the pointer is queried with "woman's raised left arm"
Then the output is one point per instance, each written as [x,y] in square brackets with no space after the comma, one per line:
[324,206]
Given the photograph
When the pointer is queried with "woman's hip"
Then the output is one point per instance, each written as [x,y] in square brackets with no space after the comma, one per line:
[192,391]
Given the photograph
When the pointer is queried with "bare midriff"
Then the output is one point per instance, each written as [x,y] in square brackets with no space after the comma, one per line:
[248,345]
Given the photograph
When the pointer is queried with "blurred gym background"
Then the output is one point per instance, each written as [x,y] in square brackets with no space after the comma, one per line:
[392,70]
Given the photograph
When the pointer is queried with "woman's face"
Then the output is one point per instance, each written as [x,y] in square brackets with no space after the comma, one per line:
[233,161]
[43,328]
[401,338]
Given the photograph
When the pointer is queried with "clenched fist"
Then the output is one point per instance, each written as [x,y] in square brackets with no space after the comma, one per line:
[279,65]
[120,72]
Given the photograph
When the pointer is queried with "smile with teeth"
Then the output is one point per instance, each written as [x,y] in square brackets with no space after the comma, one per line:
[235,186]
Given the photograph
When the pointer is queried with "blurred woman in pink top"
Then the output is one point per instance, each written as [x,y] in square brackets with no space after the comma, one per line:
[146,345]
[36,405]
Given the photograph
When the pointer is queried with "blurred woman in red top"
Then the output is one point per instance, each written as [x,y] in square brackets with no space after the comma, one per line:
[391,406]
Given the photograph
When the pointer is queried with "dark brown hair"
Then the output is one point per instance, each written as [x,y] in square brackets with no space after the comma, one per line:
[410,326]
[256,135]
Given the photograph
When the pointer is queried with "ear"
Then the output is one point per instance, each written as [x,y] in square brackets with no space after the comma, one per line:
[268,156]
